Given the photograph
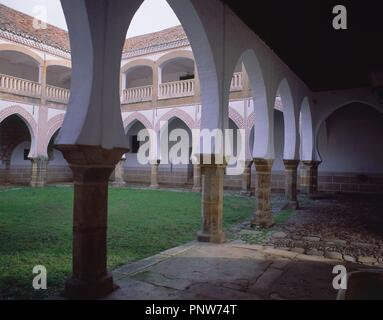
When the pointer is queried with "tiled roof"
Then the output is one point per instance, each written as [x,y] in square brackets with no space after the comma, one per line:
[21,24]
[154,39]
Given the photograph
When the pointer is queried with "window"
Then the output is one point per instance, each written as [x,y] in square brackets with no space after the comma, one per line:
[135,144]
[26,152]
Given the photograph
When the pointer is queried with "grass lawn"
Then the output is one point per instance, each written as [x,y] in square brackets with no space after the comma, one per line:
[35,229]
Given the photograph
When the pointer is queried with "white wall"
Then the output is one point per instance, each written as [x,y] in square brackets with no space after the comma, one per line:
[351,140]
[17,158]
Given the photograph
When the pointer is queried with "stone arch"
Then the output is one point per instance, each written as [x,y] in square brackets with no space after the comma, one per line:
[291,145]
[54,124]
[264,144]
[347,140]
[137,63]
[175,54]
[251,121]
[176,113]
[306,131]
[27,119]
[136,116]
[339,105]
[22,49]
[237,118]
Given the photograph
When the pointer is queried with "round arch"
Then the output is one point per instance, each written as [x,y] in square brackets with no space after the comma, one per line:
[347,139]
[23,50]
[187,54]
[138,63]
[336,107]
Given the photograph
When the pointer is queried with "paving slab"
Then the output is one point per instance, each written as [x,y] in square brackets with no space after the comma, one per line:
[226,272]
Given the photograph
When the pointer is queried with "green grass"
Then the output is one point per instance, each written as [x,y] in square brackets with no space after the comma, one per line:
[35,229]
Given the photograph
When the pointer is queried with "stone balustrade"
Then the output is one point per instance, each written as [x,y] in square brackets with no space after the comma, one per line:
[57,94]
[236,82]
[138,94]
[19,86]
[176,89]
[169,90]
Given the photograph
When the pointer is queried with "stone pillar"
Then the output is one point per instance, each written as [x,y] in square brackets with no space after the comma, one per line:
[39,172]
[91,167]
[197,187]
[118,174]
[246,179]
[263,216]
[212,202]
[309,177]
[154,174]
[291,177]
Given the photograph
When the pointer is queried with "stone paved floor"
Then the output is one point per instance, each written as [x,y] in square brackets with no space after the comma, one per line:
[343,227]
[233,270]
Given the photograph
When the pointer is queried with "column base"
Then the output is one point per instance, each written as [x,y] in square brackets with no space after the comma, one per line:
[264,222]
[197,189]
[294,205]
[247,193]
[154,186]
[92,289]
[211,238]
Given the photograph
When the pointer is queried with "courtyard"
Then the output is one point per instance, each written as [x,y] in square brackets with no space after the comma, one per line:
[36,226]
[152,253]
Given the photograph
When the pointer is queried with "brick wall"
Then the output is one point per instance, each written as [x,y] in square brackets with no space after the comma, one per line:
[350,182]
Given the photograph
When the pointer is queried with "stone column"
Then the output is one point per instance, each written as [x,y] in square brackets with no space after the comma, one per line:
[212,202]
[39,172]
[154,174]
[263,216]
[197,187]
[291,177]
[118,177]
[246,179]
[91,167]
[309,177]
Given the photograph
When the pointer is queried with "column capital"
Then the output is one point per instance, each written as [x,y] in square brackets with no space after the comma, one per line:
[311,163]
[206,160]
[91,163]
[91,155]
[291,164]
[260,162]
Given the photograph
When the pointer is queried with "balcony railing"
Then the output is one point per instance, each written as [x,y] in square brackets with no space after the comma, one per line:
[176,89]
[57,94]
[19,86]
[138,94]
[236,82]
